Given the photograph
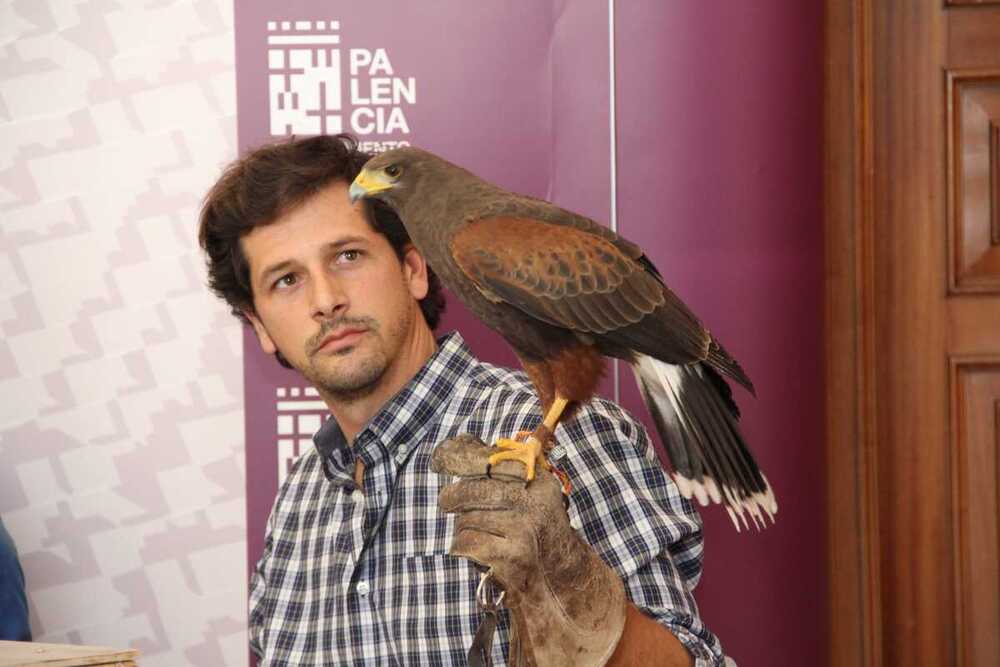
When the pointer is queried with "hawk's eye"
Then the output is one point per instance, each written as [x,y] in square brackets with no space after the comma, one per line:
[392,171]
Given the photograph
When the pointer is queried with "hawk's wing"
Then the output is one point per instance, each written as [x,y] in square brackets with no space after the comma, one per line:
[570,278]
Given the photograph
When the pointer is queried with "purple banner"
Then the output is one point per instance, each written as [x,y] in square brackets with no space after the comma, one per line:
[716,174]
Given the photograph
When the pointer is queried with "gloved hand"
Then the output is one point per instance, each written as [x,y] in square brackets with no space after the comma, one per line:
[567,606]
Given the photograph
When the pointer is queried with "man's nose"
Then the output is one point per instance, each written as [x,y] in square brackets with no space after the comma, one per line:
[328,298]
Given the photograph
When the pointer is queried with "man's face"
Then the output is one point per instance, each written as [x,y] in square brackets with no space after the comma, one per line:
[332,296]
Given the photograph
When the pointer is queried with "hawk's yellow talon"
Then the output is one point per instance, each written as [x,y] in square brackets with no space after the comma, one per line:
[507,443]
[529,453]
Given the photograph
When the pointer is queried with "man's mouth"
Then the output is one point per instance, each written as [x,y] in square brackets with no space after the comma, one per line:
[340,339]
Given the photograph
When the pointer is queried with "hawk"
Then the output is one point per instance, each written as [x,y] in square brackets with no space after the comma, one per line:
[565,292]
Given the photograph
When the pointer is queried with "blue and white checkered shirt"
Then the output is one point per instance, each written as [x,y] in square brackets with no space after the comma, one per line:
[352,578]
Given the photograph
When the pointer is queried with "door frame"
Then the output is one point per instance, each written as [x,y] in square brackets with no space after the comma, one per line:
[854,604]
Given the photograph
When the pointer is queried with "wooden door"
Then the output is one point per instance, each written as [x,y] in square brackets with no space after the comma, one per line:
[913,305]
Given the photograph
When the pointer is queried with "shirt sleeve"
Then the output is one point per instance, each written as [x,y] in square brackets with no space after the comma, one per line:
[258,591]
[272,617]
[633,515]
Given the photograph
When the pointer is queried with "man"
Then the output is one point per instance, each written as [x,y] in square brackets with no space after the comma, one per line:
[358,565]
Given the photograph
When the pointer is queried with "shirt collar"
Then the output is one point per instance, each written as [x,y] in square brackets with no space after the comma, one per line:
[402,421]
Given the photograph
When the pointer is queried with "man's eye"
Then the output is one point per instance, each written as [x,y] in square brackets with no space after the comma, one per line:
[350,255]
[285,281]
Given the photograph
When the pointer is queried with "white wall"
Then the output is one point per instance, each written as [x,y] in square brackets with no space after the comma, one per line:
[121,412]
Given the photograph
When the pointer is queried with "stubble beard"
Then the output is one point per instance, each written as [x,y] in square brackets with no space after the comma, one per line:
[358,378]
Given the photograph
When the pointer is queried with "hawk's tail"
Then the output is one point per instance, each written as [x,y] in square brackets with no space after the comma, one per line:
[696,417]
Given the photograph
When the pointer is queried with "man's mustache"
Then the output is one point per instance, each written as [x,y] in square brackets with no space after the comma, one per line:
[329,326]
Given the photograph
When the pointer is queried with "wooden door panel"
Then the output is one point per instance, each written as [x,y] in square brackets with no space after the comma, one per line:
[974,174]
[975,438]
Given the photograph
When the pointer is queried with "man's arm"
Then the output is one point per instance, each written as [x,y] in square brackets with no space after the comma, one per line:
[257,603]
[646,642]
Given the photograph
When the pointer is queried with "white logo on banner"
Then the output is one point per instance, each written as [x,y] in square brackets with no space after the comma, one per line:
[306,72]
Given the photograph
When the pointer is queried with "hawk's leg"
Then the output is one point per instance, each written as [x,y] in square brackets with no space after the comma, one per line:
[530,452]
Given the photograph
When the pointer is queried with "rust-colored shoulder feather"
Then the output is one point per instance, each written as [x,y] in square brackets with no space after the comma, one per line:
[573,279]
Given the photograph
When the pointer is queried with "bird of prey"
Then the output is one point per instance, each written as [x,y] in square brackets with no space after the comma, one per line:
[565,292]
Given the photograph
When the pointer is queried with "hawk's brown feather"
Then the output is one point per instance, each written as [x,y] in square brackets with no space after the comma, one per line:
[573,279]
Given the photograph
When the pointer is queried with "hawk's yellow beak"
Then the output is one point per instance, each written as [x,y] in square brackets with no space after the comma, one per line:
[367,183]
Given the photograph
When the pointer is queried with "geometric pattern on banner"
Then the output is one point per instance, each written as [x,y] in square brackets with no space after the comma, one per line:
[300,414]
[315,86]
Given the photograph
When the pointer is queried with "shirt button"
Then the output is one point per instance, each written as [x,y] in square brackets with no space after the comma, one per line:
[401,454]
[363,588]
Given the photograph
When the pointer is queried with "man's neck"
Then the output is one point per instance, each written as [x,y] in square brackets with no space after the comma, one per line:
[353,414]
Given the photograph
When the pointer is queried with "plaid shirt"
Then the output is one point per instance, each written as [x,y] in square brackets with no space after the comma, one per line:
[365,578]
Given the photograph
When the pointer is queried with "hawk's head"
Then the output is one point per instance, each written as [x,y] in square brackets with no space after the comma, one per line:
[394,177]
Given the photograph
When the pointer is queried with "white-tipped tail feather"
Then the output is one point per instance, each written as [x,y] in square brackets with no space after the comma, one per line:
[697,422]
[756,505]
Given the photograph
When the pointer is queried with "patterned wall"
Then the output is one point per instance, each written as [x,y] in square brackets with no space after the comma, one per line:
[121,418]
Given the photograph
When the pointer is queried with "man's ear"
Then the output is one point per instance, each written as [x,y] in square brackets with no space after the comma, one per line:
[266,343]
[415,272]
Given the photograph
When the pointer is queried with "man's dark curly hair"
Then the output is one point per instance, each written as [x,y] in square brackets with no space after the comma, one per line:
[271,181]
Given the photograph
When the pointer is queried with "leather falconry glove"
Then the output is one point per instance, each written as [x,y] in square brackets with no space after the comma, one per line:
[567,606]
